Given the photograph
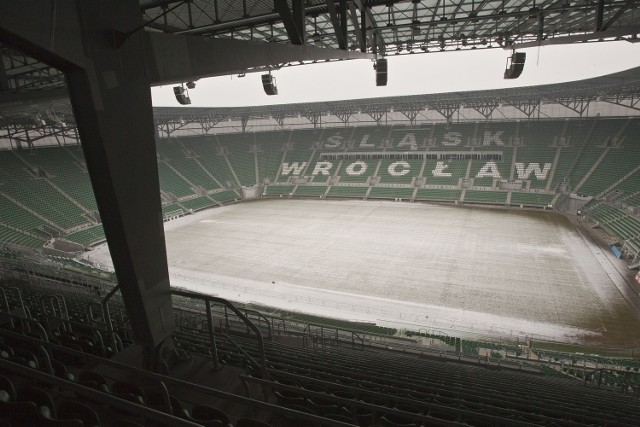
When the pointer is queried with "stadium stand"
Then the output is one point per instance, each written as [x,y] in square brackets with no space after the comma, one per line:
[279,190]
[88,237]
[358,171]
[209,155]
[499,197]
[172,182]
[616,222]
[39,196]
[74,351]
[407,139]
[270,151]
[225,196]
[10,235]
[438,194]
[198,203]
[391,193]
[451,174]
[399,171]
[344,191]
[186,166]
[172,210]
[63,170]
[531,199]
[72,357]
[310,191]
[596,157]
[241,160]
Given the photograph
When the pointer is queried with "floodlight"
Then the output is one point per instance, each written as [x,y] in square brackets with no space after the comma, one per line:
[182,96]
[381,72]
[269,84]
[515,65]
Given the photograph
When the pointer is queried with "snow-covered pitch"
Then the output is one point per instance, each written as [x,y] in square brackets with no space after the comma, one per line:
[464,271]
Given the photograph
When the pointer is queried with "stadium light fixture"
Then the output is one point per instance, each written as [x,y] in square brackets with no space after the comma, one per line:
[515,65]
[381,71]
[269,84]
[182,95]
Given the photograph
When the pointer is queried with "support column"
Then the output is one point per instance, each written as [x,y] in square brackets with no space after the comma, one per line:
[111,99]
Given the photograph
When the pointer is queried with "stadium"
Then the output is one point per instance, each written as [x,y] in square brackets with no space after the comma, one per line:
[459,258]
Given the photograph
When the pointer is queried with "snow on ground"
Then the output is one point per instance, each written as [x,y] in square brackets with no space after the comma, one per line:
[475,271]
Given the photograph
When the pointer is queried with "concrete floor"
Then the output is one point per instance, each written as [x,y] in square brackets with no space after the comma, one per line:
[470,271]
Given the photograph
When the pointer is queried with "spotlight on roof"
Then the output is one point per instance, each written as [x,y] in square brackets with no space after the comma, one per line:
[269,84]
[381,71]
[182,95]
[191,85]
[515,65]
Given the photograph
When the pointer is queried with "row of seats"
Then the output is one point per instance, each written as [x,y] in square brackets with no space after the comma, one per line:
[222,163]
[350,384]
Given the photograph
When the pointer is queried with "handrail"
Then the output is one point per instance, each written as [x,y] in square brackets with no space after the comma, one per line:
[212,337]
[92,319]
[28,321]
[17,290]
[350,403]
[262,316]
[107,317]
[170,381]
[5,300]
[242,350]
[53,301]
[355,334]
[110,400]
[208,299]
[188,335]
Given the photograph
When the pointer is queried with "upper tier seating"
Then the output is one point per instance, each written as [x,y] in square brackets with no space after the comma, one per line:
[355,384]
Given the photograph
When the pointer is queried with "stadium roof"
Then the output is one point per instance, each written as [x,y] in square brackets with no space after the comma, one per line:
[378,27]
[612,87]
[390,26]
[622,88]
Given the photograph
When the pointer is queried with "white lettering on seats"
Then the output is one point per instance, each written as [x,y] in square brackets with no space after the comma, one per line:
[322,168]
[540,174]
[293,167]
[439,170]
[452,138]
[492,137]
[361,168]
[409,140]
[490,170]
[364,144]
[334,141]
[393,168]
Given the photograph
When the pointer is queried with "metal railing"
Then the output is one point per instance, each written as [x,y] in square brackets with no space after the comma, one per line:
[208,299]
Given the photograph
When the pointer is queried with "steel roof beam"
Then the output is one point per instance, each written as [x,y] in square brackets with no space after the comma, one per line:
[339,29]
[629,30]
[360,32]
[4,80]
[175,58]
[617,15]
[370,24]
[293,21]
[158,3]
[599,18]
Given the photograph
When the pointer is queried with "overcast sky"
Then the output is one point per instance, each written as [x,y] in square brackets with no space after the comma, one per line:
[411,75]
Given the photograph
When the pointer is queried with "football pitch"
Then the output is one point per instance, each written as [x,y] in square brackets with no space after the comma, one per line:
[478,271]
